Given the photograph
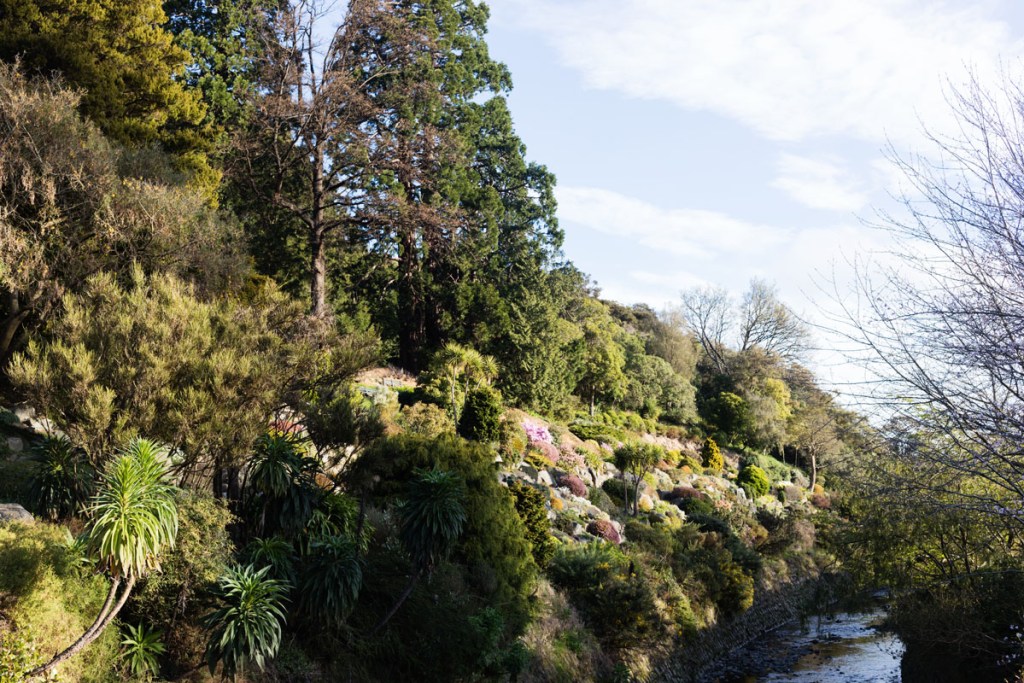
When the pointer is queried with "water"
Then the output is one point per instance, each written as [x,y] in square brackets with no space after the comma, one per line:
[843,648]
[847,647]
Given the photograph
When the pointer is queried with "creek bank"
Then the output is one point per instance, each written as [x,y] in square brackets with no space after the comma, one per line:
[845,647]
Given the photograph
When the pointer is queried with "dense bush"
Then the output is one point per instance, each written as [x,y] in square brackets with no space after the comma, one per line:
[47,597]
[171,600]
[203,375]
[711,456]
[494,541]
[754,481]
[616,490]
[595,431]
[574,484]
[615,602]
[530,506]
[425,419]
[481,415]
[62,478]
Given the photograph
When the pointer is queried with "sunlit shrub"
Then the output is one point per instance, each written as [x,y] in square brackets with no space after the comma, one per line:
[602,528]
[754,481]
[711,456]
[574,484]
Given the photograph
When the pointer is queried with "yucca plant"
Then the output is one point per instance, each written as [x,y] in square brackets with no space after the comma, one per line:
[246,626]
[140,649]
[331,578]
[281,484]
[274,552]
[133,518]
[62,477]
[433,516]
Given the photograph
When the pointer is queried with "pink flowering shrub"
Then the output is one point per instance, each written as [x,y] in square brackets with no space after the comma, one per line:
[536,433]
[548,450]
[569,458]
[685,492]
[602,528]
[574,484]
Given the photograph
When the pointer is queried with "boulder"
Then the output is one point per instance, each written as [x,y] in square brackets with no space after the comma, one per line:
[12,512]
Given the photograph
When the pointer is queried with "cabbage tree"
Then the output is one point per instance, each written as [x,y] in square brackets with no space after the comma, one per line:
[133,519]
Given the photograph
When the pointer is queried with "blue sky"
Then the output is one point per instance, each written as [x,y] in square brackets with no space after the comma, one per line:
[711,141]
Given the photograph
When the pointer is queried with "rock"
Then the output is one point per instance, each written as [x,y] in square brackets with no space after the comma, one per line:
[544,477]
[15,444]
[646,504]
[12,512]
[529,472]
[24,413]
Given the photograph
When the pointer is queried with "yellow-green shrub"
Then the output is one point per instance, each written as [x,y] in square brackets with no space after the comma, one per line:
[45,595]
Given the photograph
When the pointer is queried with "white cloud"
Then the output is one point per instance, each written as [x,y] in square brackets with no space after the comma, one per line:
[684,232]
[789,69]
[818,183]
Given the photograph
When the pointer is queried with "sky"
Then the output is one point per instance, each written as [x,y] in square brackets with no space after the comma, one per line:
[712,141]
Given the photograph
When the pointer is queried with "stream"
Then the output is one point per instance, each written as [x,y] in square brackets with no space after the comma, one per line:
[842,647]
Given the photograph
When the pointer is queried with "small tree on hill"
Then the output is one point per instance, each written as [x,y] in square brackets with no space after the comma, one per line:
[711,456]
[481,415]
[133,518]
[637,459]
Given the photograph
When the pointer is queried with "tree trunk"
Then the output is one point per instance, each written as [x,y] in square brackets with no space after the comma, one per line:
[318,266]
[318,281]
[814,470]
[398,603]
[103,620]
[11,324]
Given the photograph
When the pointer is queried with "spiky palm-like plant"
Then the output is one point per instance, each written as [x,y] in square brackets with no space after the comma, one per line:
[433,516]
[331,579]
[133,518]
[140,648]
[281,486]
[62,478]
[246,626]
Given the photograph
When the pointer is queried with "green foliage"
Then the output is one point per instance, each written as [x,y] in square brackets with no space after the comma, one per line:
[204,376]
[276,553]
[493,541]
[754,481]
[530,506]
[331,577]
[171,599]
[711,456]
[140,649]
[51,602]
[62,478]
[282,487]
[246,624]
[729,414]
[616,489]
[638,459]
[595,431]
[17,655]
[433,516]
[481,415]
[616,603]
[340,417]
[133,517]
[426,419]
[117,208]
[122,59]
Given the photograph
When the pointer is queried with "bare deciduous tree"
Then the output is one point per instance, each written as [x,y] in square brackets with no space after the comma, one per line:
[942,330]
[761,321]
[706,311]
[768,323]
